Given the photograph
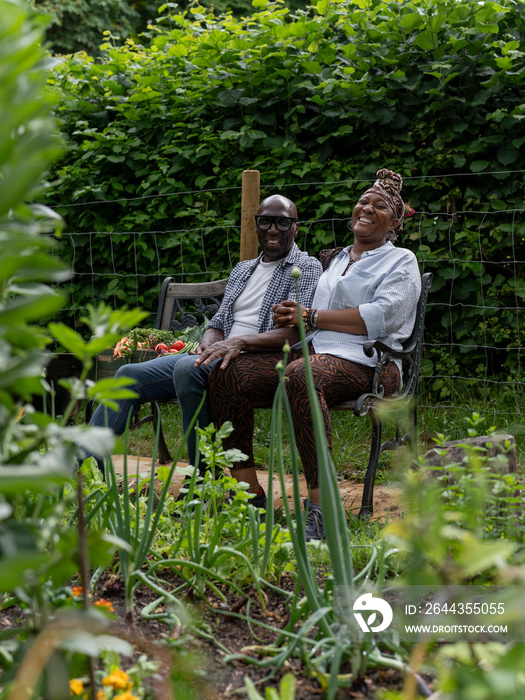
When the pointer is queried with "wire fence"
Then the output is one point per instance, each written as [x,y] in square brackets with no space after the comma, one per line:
[474,339]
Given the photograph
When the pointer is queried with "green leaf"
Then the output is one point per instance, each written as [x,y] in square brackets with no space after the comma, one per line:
[426,40]
[69,338]
[30,309]
[21,478]
[15,567]
[504,62]
[251,691]
[178,50]
[98,344]
[477,556]
[508,154]
[95,440]
[436,22]
[479,165]
[411,21]
[35,266]
[82,642]
[112,388]
[230,97]
[287,687]
[487,28]
[460,13]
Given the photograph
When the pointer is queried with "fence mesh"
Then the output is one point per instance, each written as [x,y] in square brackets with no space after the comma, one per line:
[474,339]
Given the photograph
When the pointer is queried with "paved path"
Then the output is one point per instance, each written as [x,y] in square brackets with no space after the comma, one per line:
[386,496]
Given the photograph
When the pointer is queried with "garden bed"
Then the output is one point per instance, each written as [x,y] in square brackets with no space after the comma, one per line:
[199,659]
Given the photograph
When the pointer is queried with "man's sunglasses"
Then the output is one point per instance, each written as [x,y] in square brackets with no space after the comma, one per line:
[282,223]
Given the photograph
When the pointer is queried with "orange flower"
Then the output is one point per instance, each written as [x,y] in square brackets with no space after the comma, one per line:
[102,603]
[77,591]
[118,680]
[76,686]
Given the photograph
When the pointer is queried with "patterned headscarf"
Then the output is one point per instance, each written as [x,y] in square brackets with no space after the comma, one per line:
[388,185]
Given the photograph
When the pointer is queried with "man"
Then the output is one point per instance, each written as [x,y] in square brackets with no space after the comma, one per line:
[243,323]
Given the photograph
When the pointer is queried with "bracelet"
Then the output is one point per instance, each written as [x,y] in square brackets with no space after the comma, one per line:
[310,317]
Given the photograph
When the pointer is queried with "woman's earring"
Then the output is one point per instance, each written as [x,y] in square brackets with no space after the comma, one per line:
[349,225]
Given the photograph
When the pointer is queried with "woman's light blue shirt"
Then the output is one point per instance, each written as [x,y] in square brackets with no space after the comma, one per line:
[385,284]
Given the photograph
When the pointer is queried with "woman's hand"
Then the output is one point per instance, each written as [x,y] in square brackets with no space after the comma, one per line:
[286,314]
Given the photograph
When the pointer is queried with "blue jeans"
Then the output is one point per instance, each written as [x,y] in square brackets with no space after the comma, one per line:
[190,383]
[154,381]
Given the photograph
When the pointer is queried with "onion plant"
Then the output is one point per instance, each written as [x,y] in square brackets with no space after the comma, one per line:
[337,640]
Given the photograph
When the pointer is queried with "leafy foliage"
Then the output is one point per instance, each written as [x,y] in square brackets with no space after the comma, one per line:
[325,95]
[79,25]
[39,550]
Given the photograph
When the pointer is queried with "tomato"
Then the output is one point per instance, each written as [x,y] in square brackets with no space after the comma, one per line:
[161,347]
[178,345]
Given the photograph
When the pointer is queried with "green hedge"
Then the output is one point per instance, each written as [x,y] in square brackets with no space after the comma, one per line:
[326,95]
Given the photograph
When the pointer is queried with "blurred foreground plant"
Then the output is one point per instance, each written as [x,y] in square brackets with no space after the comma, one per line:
[463,526]
[39,548]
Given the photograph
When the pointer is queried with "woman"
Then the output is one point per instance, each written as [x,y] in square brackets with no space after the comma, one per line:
[368,291]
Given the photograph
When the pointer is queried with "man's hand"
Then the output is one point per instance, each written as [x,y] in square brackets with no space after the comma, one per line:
[286,314]
[209,337]
[227,349]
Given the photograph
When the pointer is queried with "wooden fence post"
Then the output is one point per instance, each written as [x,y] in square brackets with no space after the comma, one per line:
[251,188]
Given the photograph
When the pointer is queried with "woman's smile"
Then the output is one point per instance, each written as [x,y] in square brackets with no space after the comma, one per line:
[372,218]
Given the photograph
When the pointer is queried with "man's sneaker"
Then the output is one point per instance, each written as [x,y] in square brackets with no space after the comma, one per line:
[258,501]
[314,527]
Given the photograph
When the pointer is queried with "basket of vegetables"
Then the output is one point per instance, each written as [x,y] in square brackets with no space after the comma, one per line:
[159,341]
[143,344]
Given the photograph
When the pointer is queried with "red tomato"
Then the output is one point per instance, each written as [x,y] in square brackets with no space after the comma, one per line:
[161,347]
[178,345]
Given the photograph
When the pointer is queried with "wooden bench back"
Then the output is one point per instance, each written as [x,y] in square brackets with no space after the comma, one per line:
[174,315]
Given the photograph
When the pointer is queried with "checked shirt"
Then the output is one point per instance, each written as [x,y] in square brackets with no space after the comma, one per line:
[280,288]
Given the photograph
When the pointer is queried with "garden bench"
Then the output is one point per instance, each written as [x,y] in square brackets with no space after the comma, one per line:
[171,315]
[181,305]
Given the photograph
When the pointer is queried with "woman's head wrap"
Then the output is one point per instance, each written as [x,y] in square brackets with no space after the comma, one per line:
[388,185]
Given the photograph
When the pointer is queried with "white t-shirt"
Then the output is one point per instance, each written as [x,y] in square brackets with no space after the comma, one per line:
[247,306]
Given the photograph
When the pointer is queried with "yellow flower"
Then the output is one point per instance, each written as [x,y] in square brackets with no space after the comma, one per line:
[118,680]
[76,686]
[102,603]
[127,696]
[101,695]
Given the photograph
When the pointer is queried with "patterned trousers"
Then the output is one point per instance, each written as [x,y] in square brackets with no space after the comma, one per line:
[250,382]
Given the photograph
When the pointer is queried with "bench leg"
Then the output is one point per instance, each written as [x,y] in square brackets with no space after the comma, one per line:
[367,503]
[156,419]
[412,433]
[89,410]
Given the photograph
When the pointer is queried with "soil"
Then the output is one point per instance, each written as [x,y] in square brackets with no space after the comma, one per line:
[222,679]
[199,660]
